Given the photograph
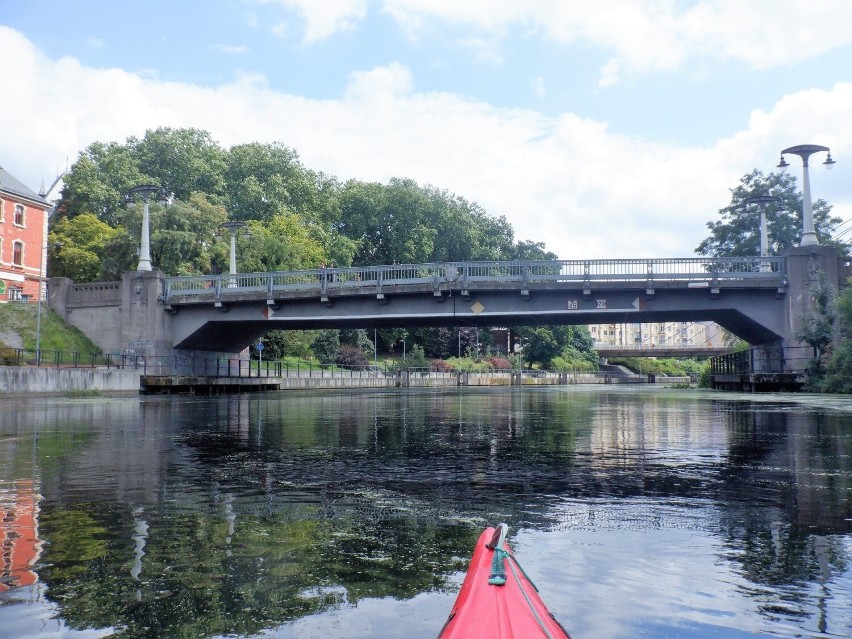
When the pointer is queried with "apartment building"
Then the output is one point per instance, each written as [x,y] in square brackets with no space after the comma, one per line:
[23,240]
[668,334]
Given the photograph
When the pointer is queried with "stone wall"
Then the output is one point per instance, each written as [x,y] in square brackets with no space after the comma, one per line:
[17,379]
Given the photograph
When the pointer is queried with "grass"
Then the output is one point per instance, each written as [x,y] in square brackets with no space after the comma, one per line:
[56,335]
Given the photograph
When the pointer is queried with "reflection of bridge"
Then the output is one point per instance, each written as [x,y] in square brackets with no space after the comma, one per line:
[758,299]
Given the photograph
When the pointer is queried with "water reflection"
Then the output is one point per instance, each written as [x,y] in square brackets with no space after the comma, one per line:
[291,512]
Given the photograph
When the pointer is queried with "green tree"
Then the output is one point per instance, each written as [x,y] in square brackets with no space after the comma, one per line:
[264,180]
[528,250]
[184,161]
[838,373]
[76,246]
[816,330]
[325,346]
[356,337]
[98,180]
[737,232]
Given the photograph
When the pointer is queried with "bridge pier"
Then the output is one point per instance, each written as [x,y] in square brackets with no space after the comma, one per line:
[805,265]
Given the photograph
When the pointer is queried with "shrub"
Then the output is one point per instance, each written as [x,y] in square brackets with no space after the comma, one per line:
[351,357]
[441,366]
[8,356]
[500,363]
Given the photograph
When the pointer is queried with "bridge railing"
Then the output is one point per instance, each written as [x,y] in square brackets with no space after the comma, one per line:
[699,270]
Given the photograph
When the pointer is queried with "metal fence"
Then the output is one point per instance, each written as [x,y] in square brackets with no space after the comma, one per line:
[769,359]
[698,271]
[223,366]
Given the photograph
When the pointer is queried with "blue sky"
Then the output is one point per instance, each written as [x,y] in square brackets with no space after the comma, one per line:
[610,130]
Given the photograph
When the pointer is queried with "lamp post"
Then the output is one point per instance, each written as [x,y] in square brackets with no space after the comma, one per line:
[804,151]
[762,201]
[146,191]
[233,227]
[42,285]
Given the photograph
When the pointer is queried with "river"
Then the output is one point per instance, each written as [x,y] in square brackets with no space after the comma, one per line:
[636,511]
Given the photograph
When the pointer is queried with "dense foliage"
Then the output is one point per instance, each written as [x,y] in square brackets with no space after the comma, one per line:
[828,329]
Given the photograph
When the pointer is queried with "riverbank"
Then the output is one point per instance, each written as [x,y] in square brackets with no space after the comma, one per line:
[46,380]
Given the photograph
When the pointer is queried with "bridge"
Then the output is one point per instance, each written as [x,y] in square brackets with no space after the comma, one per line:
[477,294]
[760,299]
[648,350]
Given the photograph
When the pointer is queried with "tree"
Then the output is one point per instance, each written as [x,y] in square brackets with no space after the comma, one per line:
[816,331]
[98,180]
[263,180]
[184,161]
[182,238]
[527,250]
[325,346]
[838,373]
[76,246]
[737,233]
[356,337]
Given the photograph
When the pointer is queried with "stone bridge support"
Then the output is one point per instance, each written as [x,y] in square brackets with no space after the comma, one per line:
[124,317]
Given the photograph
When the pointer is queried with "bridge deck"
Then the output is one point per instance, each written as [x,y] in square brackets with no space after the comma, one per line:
[649,274]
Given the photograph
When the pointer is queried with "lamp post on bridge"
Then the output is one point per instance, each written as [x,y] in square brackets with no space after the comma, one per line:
[233,227]
[762,201]
[146,191]
[804,151]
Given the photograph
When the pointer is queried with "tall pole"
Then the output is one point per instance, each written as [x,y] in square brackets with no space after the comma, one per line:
[145,246]
[233,227]
[762,201]
[41,273]
[145,191]
[804,151]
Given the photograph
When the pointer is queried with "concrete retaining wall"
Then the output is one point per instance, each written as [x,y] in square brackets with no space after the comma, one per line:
[15,379]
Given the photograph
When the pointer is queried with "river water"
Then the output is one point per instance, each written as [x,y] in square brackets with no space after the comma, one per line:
[637,512]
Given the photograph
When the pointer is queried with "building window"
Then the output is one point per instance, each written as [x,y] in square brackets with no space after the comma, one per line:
[2,208]
[16,294]
[19,215]
[18,253]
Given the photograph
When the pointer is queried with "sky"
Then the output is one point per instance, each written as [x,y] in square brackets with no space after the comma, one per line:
[604,129]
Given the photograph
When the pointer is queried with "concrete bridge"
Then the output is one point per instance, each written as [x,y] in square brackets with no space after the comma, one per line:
[758,299]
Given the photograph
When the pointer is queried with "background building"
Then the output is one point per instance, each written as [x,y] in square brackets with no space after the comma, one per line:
[23,240]
[667,334]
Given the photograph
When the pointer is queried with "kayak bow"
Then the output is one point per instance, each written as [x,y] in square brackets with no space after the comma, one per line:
[497,600]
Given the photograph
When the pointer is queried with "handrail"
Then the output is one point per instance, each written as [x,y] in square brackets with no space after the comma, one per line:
[707,271]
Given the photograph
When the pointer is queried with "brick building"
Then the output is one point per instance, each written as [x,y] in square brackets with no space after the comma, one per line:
[23,240]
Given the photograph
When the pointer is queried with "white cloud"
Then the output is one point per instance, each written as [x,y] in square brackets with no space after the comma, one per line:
[586,191]
[231,49]
[654,35]
[323,18]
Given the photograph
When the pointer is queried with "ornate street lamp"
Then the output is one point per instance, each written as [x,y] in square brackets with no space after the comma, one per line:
[762,202]
[804,151]
[146,191]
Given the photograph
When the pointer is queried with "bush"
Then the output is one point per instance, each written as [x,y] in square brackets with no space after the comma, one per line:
[416,358]
[499,363]
[351,357]
[441,366]
[8,356]
[704,378]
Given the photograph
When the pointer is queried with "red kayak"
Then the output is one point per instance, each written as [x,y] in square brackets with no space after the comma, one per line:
[497,600]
